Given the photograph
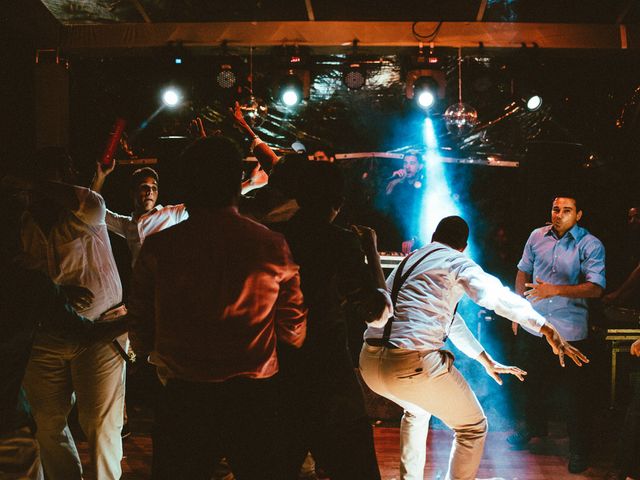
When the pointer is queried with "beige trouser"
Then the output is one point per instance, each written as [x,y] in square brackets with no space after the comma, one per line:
[426,383]
[59,372]
[20,456]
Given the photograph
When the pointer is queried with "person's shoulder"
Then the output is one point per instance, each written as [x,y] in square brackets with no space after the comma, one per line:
[540,232]
[181,207]
[86,195]
[251,227]
[587,238]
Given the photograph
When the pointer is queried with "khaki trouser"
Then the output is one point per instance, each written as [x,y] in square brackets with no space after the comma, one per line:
[59,372]
[20,456]
[426,383]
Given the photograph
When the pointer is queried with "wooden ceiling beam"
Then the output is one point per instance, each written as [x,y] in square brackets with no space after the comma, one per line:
[341,34]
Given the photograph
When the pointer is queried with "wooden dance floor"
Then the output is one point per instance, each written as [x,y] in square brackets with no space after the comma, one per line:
[545,458]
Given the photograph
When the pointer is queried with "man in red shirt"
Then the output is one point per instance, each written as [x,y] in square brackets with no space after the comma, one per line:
[210,298]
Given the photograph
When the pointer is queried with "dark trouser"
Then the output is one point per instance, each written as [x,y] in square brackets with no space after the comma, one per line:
[197,423]
[575,383]
[324,401]
[628,460]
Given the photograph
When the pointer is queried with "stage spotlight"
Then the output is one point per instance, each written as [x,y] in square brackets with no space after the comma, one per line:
[290,97]
[425,91]
[426,99]
[226,77]
[290,91]
[425,87]
[534,102]
[171,97]
[354,76]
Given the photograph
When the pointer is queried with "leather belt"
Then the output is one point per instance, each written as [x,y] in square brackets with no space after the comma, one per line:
[379,342]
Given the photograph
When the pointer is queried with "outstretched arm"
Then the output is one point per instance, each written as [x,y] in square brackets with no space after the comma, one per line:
[487,291]
[102,172]
[522,278]
[495,369]
[266,157]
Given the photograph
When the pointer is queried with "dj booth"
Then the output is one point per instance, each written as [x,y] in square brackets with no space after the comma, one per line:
[623,329]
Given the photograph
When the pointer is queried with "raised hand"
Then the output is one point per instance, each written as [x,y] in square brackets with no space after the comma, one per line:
[104,170]
[407,246]
[238,118]
[367,236]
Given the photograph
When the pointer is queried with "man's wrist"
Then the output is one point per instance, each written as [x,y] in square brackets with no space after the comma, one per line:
[547,329]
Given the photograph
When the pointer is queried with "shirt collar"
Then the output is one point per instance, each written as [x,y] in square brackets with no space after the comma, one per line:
[153,210]
[576,232]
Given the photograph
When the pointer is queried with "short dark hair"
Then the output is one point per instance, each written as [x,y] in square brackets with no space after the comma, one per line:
[142,173]
[321,186]
[50,161]
[212,172]
[452,231]
[418,156]
[569,194]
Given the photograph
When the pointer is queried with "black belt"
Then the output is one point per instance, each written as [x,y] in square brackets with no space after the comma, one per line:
[379,342]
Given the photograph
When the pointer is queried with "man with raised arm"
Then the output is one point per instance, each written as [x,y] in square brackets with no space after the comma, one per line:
[64,235]
[147,217]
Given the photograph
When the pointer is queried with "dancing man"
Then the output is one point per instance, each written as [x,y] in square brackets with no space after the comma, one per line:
[404,361]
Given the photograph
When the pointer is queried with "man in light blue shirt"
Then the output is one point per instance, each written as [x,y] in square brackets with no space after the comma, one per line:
[561,267]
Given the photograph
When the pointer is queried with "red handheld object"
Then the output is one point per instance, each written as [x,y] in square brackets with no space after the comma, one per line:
[118,130]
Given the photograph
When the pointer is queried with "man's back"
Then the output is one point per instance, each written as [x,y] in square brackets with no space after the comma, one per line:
[225,286]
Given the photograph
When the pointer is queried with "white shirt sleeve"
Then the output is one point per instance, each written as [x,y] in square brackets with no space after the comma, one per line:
[181,213]
[487,291]
[463,339]
[91,207]
[117,223]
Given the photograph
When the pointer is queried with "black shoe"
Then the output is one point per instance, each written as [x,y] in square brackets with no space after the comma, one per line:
[578,463]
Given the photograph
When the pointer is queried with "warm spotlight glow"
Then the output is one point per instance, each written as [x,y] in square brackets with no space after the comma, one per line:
[171,97]
[534,103]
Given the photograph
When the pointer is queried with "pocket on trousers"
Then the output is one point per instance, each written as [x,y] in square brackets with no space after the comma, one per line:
[437,363]
[414,369]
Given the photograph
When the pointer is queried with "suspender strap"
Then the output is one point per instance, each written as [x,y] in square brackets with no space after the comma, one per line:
[398,281]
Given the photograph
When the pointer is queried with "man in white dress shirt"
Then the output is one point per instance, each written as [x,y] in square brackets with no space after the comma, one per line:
[403,360]
[147,217]
[64,235]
